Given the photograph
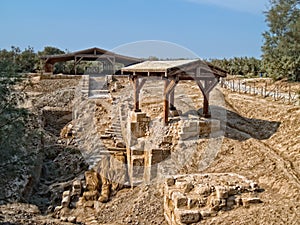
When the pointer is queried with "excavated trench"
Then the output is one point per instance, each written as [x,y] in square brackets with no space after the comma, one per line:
[61,163]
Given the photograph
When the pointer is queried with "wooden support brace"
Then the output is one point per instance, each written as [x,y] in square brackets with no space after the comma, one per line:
[206,89]
[211,85]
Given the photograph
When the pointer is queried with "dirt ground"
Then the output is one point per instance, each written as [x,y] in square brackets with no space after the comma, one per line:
[261,141]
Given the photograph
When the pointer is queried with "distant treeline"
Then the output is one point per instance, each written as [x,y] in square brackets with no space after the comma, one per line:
[15,61]
[244,66]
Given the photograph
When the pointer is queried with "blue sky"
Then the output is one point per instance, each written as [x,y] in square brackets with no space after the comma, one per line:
[210,28]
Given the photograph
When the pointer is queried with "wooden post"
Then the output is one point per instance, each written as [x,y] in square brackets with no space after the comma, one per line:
[172,100]
[75,65]
[206,102]
[136,95]
[166,102]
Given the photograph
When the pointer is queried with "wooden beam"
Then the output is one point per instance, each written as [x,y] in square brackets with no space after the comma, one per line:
[211,86]
[206,101]
[205,97]
[171,85]
[166,102]
[172,100]
[137,85]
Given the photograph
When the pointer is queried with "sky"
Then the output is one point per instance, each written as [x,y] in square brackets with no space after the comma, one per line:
[206,28]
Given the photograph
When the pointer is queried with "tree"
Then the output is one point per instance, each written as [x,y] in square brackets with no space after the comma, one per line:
[239,65]
[281,48]
[48,50]
[28,60]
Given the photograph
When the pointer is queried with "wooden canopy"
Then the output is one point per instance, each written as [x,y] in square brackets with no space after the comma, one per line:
[205,75]
[91,54]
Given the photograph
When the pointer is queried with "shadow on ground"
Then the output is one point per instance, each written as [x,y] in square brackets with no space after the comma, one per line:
[242,128]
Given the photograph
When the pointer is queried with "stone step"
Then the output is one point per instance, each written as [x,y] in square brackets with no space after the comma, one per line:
[116,149]
[104,136]
[99,92]
[113,133]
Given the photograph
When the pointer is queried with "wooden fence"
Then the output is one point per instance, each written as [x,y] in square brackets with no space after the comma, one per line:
[265,90]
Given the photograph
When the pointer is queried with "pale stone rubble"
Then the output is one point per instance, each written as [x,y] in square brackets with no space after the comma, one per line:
[191,198]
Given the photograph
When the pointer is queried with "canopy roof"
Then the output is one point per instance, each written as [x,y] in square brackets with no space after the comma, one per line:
[193,67]
[90,54]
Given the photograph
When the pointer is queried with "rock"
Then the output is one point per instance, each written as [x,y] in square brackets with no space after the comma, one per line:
[92,180]
[188,187]
[247,201]
[89,204]
[72,219]
[189,216]
[91,195]
[170,181]
[76,188]
[66,197]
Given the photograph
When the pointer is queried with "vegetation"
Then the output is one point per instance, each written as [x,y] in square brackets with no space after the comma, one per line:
[281,49]
[240,66]
[13,119]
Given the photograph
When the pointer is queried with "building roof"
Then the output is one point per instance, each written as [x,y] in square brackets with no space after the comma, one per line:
[90,54]
[174,67]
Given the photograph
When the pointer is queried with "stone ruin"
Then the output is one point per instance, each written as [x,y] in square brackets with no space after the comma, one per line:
[187,198]
[192,198]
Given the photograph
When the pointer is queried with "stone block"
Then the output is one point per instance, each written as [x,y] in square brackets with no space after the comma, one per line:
[221,192]
[179,200]
[170,181]
[188,216]
[196,202]
[89,204]
[188,187]
[92,180]
[66,198]
[137,116]
[76,188]
[187,135]
[167,139]
[159,155]
[205,213]
[231,201]
[247,201]
[174,113]
[91,195]
[204,190]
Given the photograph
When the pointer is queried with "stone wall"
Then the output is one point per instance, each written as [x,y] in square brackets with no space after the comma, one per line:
[195,197]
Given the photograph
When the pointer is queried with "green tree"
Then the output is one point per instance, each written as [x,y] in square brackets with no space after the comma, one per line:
[49,50]
[28,60]
[281,48]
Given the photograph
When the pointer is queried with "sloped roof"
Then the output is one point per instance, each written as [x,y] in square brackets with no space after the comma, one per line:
[90,54]
[174,67]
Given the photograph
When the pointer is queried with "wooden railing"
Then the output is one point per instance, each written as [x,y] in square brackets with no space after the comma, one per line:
[264,89]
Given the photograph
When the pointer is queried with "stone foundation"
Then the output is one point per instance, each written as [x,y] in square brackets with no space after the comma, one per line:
[192,128]
[192,198]
[139,124]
